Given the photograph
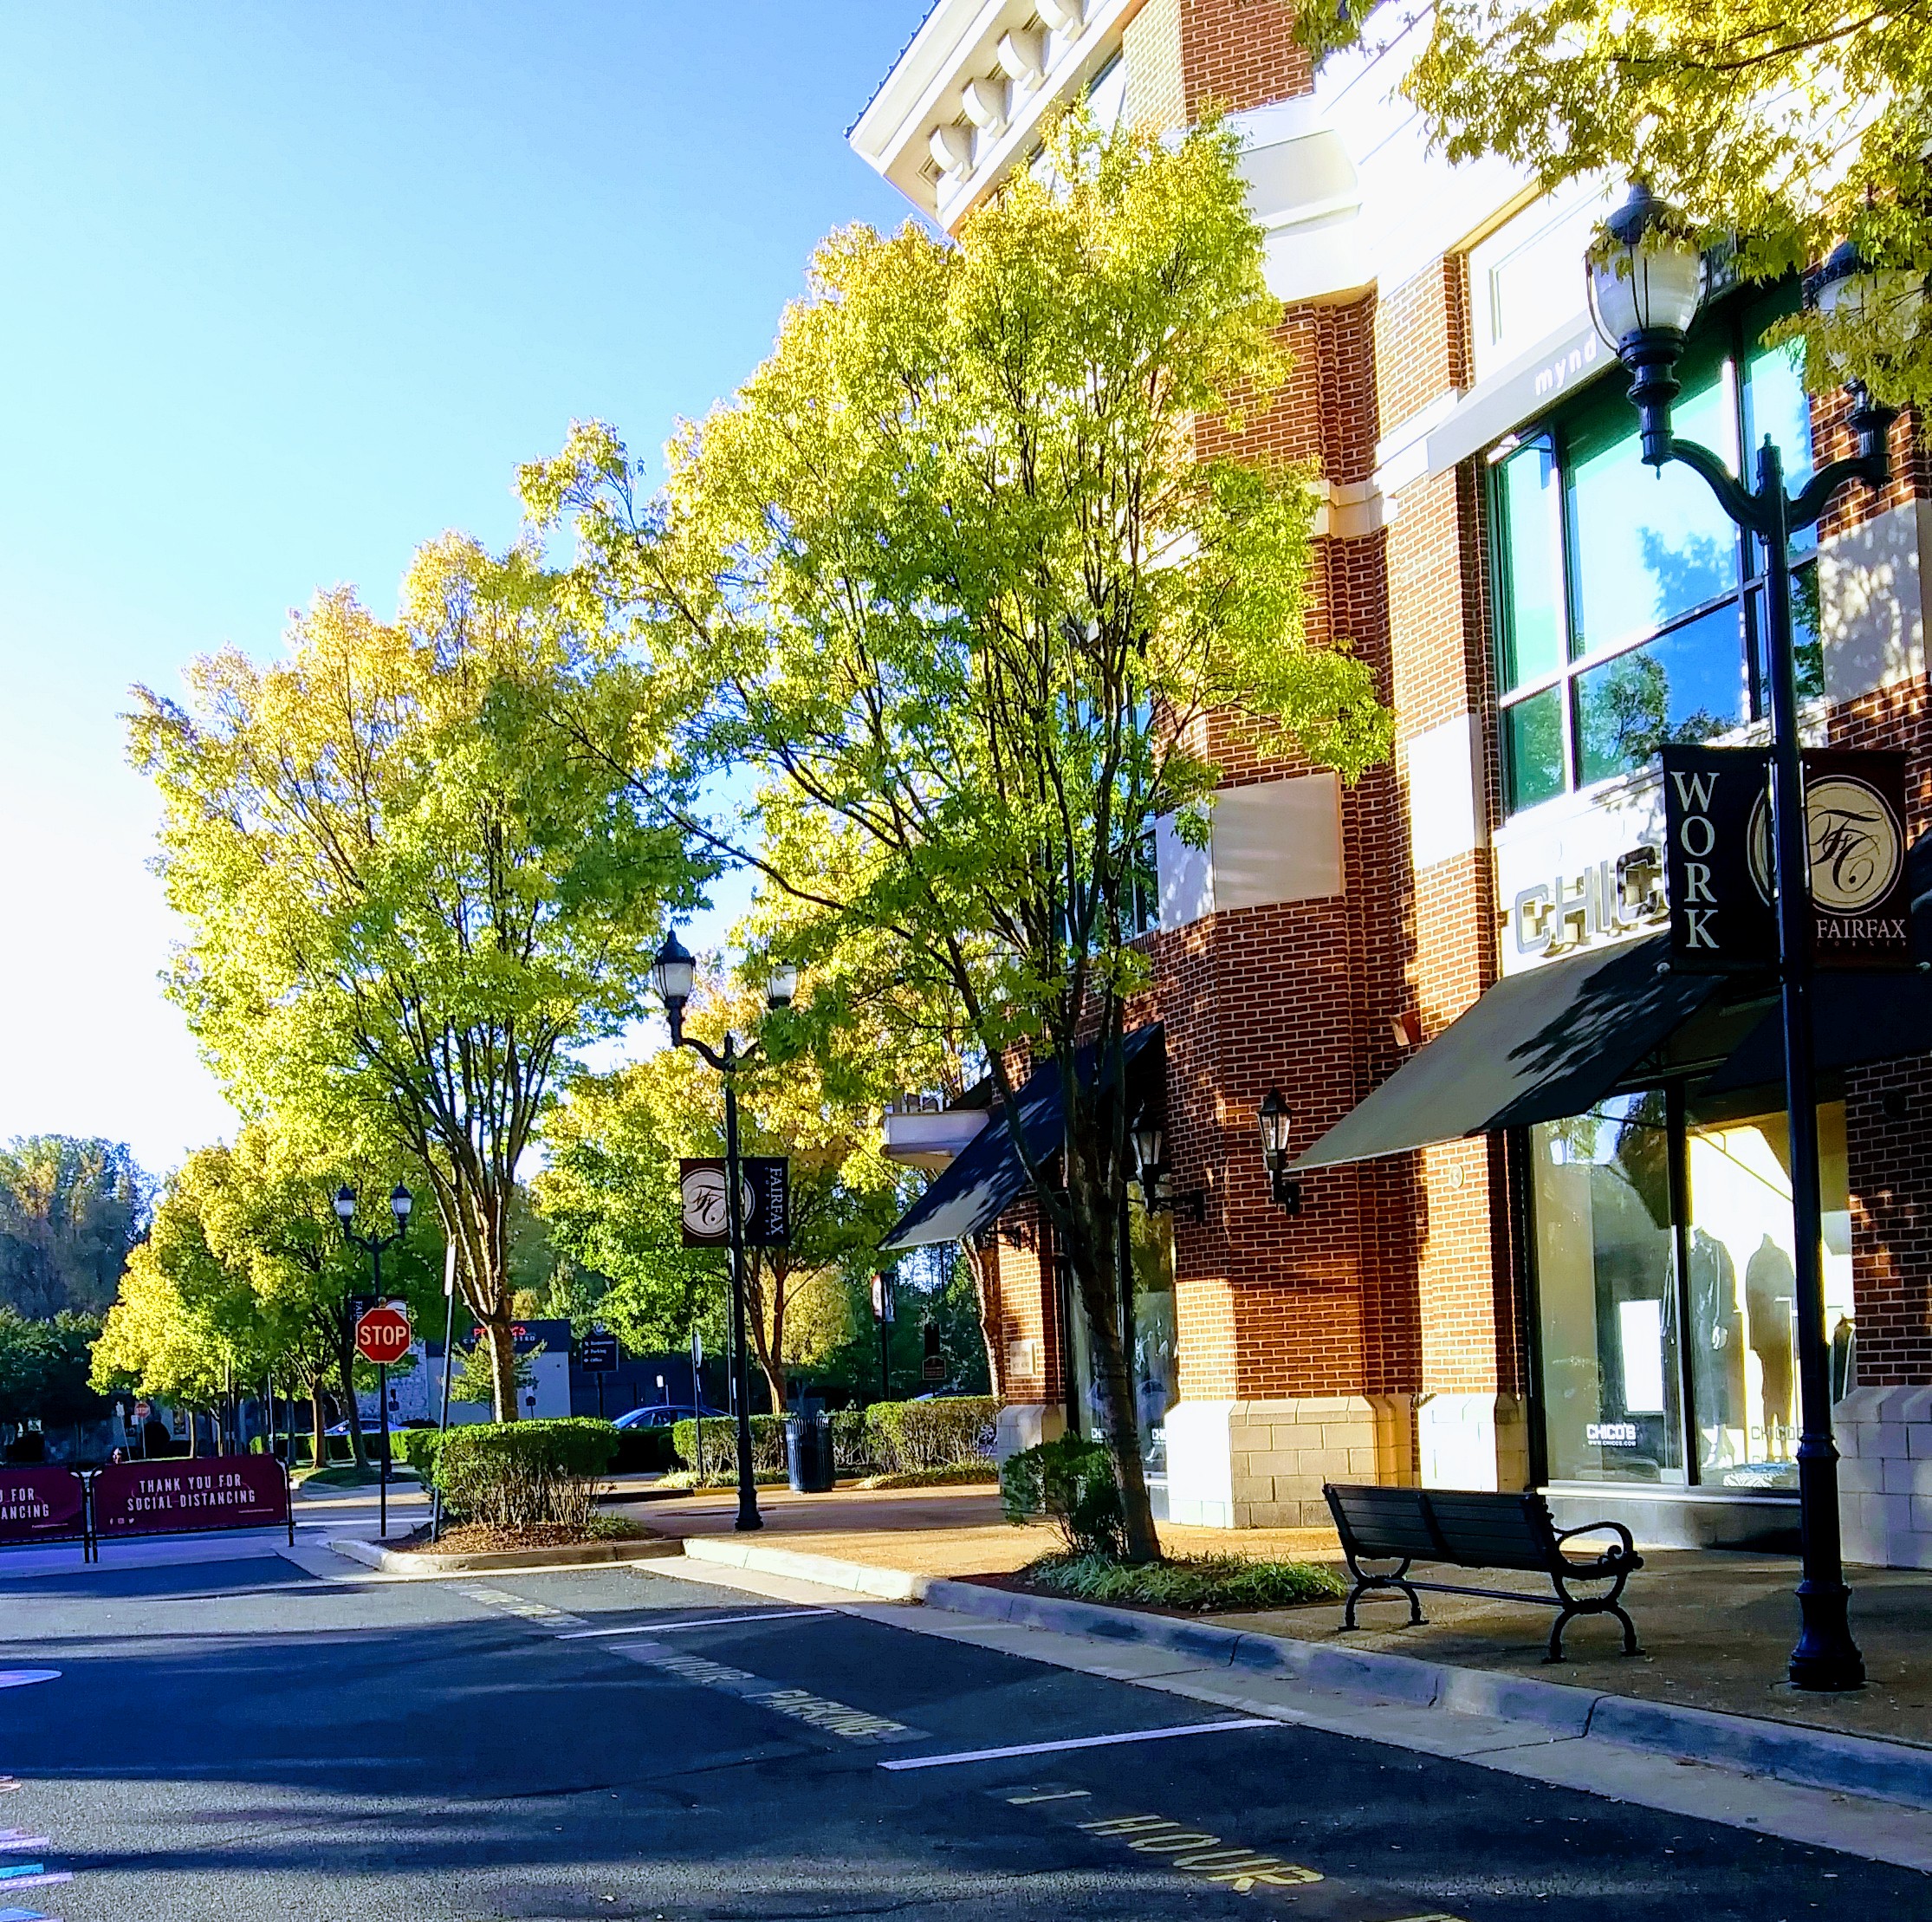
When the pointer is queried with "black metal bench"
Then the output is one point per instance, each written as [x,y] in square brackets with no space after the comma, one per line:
[1469,1529]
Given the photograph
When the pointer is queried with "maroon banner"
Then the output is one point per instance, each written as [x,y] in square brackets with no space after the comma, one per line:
[42,1504]
[180,1497]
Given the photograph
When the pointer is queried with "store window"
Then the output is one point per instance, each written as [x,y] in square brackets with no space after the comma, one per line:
[1629,609]
[1153,1344]
[1665,1289]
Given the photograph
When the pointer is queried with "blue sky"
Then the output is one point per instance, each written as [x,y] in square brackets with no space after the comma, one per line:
[291,288]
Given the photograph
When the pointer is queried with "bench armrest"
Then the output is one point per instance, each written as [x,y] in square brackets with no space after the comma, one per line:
[1625,1549]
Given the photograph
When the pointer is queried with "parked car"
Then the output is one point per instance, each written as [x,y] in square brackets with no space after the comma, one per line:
[663,1416]
[371,1427]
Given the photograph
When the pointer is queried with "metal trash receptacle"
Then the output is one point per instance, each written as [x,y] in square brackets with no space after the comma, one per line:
[808,1452]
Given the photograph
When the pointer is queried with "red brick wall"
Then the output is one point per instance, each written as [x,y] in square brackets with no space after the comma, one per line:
[1238,54]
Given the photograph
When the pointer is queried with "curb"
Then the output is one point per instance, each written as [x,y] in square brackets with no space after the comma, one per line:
[882,1584]
[1809,1758]
[373,1554]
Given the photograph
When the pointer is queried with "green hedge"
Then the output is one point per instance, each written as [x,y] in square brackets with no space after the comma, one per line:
[852,1442]
[525,1474]
[721,1444]
[907,1436]
[1071,1484]
[417,1447]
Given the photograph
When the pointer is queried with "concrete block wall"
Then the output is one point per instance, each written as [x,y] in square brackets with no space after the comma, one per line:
[1262,1464]
[1884,1437]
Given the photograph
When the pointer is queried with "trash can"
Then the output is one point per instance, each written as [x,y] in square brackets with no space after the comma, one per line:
[808,1452]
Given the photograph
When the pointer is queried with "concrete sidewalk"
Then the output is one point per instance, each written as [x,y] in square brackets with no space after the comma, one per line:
[1716,1627]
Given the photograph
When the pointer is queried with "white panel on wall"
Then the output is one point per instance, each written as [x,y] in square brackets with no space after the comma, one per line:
[1445,818]
[1278,840]
[1527,279]
[1871,588]
[1185,876]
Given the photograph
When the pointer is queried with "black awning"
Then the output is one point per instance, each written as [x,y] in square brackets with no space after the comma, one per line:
[989,1176]
[1537,1046]
[1857,1015]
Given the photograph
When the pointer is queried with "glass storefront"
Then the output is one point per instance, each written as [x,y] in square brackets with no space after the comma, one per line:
[1662,1243]
[1156,1385]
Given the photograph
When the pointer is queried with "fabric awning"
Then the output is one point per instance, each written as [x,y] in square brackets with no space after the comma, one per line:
[1858,1014]
[988,1175]
[1537,1046]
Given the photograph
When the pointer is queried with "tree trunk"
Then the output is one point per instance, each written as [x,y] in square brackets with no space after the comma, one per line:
[1093,1253]
[344,1362]
[500,1332]
[318,1444]
[976,1263]
[767,1338]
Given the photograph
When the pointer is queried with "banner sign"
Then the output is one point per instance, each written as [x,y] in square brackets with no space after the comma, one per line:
[184,1497]
[42,1504]
[1718,858]
[764,1195]
[1855,814]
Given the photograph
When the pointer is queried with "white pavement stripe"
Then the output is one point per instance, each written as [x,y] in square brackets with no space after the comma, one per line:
[715,1621]
[1080,1742]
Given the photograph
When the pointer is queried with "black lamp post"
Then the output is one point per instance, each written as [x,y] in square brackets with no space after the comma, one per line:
[1149,1151]
[1272,1117]
[1646,288]
[400,1201]
[672,974]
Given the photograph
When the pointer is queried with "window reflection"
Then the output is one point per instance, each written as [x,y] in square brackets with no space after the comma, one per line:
[1686,685]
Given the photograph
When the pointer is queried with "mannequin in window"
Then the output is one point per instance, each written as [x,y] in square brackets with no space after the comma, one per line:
[1770,1286]
[1719,1328]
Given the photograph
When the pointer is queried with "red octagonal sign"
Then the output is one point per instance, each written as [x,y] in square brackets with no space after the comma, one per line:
[382,1334]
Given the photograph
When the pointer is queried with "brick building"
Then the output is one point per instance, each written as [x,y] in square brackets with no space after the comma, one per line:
[1596,1299]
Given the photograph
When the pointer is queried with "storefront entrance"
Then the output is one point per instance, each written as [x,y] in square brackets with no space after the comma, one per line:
[1660,1244]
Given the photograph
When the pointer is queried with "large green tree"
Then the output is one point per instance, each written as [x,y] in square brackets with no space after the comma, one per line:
[70,1210]
[1785,125]
[947,577]
[409,897]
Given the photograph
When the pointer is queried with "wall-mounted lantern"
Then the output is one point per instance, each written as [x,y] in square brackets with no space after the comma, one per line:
[1150,1149]
[1282,1187]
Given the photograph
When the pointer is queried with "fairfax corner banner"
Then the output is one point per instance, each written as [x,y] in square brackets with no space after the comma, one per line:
[184,1497]
[765,1194]
[1718,862]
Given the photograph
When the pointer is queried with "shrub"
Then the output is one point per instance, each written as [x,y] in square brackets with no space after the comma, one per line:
[416,1447]
[852,1442]
[1071,1484]
[1195,1583]
[911,1435]
[953,1475]
[721,1444]
[643,1451]
[526,1474]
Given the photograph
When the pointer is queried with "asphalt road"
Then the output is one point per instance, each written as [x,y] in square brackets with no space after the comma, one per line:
[241,1740]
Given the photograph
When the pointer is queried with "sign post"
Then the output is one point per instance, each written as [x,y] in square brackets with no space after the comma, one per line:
[382,1336]
[882,1312]
[697,1399]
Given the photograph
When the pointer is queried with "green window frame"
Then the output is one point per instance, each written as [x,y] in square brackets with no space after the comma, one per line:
[1628,609]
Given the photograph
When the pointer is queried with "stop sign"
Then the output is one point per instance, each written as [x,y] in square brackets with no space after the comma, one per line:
[382,1334]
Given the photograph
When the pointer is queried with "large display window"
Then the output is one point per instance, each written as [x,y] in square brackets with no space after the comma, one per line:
[1152,1342]
[1661,1237]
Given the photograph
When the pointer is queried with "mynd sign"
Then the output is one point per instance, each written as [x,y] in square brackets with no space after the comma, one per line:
[1719,867]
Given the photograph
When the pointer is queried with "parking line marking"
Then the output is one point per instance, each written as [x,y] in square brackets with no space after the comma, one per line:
[817,1712]
[665,1628]
[1079,1741]
[512,1604]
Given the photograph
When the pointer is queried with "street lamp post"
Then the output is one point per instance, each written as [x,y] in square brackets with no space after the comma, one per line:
[672,974]
[400,1201]
[1646,288]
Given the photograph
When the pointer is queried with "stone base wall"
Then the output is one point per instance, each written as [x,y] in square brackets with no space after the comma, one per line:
[1478,1440]
[1261,1464]
[1884,1437]
[1025,1425]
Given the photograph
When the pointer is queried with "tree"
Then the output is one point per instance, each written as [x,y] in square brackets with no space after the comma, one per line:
[69,1212]
[44,1369]
[611,1194]
[1787,128]
[409,898]
[948,578]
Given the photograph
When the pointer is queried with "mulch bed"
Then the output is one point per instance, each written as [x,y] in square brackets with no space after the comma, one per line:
[484,1538]
[1019,1584]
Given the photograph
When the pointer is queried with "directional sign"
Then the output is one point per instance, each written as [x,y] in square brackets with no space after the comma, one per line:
[382,1334]
[597,1355]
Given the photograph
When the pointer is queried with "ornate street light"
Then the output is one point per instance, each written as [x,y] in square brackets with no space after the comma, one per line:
[672,974]
[1272,1117]
[1646,283]
[1150,1153]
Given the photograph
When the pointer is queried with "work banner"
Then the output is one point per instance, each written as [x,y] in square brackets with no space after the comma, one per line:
[184,1497]
[1720,862]
[42,1504]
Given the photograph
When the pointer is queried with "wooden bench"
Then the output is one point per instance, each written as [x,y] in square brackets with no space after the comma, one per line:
[1468,1528]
